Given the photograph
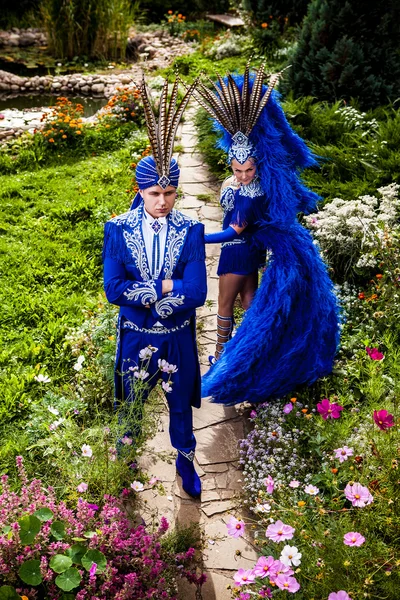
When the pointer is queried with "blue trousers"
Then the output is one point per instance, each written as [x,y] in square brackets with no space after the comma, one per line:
[177,348]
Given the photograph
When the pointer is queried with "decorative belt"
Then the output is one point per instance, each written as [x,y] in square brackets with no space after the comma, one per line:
[234,242]
[158,328]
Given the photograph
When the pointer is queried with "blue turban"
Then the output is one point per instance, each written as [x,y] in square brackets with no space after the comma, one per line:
[147,174]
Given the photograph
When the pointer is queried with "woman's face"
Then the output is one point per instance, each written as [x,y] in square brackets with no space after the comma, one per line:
[244,173]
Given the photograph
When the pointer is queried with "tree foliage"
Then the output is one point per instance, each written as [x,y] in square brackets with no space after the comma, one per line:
[349,50]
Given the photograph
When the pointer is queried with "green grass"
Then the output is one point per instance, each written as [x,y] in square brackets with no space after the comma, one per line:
[51,228]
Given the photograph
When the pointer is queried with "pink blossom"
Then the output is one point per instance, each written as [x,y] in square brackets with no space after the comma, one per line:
[285,582]
[329,410]
[343,453]
[294,483]
[127,441]
[235,527]
[153,480]
[278,532]
[92,570]
[82,487]
[353,539]
[253,414]
[383,419]
[342,595]
[266,567]
[288,408]
[358,495]
[312,490]
[243,577]
[244,596]
[269,484]
[374,353]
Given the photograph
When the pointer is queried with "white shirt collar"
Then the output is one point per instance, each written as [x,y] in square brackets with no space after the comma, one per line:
[150,219]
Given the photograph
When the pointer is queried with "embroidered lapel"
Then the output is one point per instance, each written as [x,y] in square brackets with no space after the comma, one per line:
[135,242]
[178,228]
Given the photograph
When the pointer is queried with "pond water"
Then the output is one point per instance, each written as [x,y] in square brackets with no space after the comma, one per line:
[23,101]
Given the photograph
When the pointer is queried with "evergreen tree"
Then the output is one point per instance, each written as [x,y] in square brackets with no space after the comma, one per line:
[348,49]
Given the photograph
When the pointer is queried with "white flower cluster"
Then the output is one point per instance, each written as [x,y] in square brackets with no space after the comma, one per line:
[354,119]
[353,229]
[232,45]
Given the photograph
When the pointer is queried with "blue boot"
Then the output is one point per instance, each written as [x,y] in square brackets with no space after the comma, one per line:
[190,480]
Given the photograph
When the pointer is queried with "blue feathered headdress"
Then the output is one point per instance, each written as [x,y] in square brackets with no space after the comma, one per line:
[251,123]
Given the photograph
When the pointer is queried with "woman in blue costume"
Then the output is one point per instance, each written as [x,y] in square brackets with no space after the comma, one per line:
[290,333]
[154,270]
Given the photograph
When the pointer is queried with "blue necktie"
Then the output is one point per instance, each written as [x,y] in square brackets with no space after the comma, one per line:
[155,259]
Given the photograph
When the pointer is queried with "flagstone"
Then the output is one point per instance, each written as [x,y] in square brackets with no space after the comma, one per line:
[211,212]
[224,554]
[219,443]
[218,468]
[217,508]
[189,202]
[194,189]
[212,414]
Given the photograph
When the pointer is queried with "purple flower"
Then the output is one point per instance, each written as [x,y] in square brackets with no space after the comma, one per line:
[329,410]
[374,353]
[358,495]
[82,487]
[243,577]
[92,570]
[269,484]
[285,582]
[278,532]
[244,596]
[342,595]
[343,453]
[353,539]
[383,419]
[266,567]
[235,527]
[288,408]
[253,414]
[92,506]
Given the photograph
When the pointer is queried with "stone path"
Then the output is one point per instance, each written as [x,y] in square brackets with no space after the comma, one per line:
[217,428]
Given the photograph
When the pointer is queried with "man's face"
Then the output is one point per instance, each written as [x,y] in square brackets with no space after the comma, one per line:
[244,173]
[159,202]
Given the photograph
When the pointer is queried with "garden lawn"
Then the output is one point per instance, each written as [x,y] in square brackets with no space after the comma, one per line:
[51,227]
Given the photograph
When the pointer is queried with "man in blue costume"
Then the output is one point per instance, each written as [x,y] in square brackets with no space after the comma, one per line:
[154,269]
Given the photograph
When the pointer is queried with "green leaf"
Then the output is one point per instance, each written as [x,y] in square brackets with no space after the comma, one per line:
[60,563]
[94,556]
[44,514]
[30,573]
[8,593]
[68,580]
[29,528]
[89,534]
[58,530]
[79,539]
[76,552]
[6,529]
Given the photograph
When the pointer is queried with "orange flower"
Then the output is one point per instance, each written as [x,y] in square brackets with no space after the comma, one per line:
[170,12]
[304,410]
[51,140]
[379,276]
[334,471]
[64,137]
[264,25]
[113,215]
[24,598]
[293,400]
[361,295]
[179,16]
[301,503]
[78,132]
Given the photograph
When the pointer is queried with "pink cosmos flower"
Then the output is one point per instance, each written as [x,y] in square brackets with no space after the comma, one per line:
[82,487]
[127,441]
[288,408]
[329,410]
[269,484]
[358,495]
[244,596]
[343,453]
[312,490]
[235,527]
[279,532]
[243,577]
[342,595]
[353,539]
[374,353]
[285,582]
[383,419]
[265,593]
[153,480]
[266,567]
[283,569]
[294,483]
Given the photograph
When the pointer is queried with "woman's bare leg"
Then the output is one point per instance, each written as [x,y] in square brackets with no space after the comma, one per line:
[248,290]
[230,285]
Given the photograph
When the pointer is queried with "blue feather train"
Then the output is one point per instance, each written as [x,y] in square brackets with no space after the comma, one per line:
[290,334]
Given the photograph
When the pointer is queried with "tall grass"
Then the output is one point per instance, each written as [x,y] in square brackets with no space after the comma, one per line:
[85,28]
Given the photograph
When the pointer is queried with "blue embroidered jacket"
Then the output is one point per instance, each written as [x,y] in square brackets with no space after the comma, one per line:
[127,279]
